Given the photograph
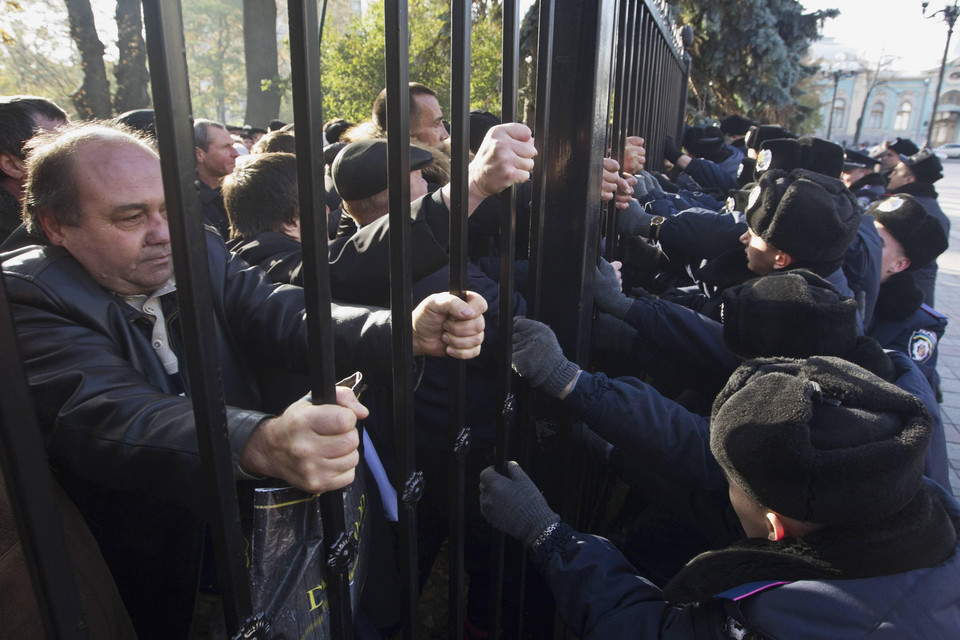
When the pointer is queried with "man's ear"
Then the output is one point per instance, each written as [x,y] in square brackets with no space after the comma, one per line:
[200,155]
[782,260]
[51,227]
[775,528]
[900,264]
[12,166]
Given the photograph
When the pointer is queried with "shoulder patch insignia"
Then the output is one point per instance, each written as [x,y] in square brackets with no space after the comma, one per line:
[922,344]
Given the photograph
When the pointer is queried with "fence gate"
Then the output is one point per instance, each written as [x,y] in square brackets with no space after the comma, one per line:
[607,69]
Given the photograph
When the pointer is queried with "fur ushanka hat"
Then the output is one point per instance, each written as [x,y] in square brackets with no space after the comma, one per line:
[820,440]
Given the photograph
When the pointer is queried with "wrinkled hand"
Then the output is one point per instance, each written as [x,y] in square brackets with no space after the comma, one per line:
[514,505]
[634,154]
[504,158]
[312,447]
[614,185]
[443,324]
[608,293]
[538,358]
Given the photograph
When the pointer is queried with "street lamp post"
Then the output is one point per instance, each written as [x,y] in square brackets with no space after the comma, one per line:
[950,17]
[836,74]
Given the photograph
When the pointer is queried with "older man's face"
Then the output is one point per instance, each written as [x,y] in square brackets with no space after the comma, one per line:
[122,239]
[220,158]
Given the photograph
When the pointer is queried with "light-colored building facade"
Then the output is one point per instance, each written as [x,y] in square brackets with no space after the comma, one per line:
[892,105]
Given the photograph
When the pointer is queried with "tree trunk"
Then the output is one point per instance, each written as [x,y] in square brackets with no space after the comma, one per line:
[92,99]
[260,53]
[131,70]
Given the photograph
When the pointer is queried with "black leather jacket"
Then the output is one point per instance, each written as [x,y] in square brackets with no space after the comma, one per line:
[105,402]
[121,438]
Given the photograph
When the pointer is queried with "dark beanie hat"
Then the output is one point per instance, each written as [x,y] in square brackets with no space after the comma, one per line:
[793,314]
[814,154]
[480,122]
[360,170]
[903,146]
[735,125]
[810,216]
[924,165]
[760,134]
[920,234]
[820,440]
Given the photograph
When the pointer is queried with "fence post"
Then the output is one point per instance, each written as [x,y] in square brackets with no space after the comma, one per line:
[171,95]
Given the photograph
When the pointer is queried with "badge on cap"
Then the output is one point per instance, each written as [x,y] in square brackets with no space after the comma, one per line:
[754,196]
[922,344]
[764,159]
[890,204]
[731,204]
[739,169]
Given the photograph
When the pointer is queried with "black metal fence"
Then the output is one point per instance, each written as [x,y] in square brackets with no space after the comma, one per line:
[607,69]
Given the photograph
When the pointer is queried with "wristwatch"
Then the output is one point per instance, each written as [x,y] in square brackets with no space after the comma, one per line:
[655,227]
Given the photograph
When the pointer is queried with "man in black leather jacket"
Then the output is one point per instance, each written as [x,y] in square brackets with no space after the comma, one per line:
[99,332]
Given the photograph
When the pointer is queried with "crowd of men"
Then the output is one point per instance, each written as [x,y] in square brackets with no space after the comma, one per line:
[764,375]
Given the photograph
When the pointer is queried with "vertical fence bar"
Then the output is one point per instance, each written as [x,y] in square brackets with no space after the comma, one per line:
[507,249]
[307,113]
[398,180]
[459,431]
[32,494]
[618,131]
[541,138]
[687,39]
[638,114]
[544,93]
[171,95]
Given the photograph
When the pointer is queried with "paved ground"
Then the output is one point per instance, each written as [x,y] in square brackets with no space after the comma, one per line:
[948,302]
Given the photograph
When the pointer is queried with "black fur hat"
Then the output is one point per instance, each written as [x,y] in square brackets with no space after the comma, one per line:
[814,154]
[735,125]
[760,134]
[925,165]
[820,440]
[703,141]
[793,314]
[920,233]
[808,215]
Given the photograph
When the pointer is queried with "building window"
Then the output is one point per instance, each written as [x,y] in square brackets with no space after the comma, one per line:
[950,97]
[903,116]
[876,116]
[839,111]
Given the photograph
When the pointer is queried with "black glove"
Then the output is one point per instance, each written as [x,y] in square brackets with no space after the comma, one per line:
[611,334]
[607,293]
[634,221]
[538,358]
[514,504]
[670,150]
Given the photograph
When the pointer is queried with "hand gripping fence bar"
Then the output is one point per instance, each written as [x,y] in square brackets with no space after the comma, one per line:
[305,70]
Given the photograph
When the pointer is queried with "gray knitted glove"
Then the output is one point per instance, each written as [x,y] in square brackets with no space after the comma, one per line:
[634,221]
[613,334]
[651,185]
[538,358]
[607,293]
[514,505]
